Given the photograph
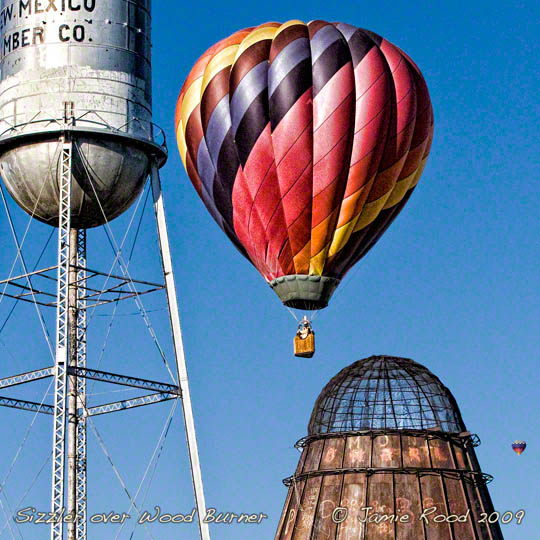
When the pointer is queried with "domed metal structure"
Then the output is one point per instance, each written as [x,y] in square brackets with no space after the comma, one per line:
[385,392]
[387,457]
[108,175]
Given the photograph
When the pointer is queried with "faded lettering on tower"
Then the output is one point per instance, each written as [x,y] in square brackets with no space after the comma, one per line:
[18,32]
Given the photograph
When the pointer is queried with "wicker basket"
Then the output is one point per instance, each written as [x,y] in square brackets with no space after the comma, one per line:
[304,348]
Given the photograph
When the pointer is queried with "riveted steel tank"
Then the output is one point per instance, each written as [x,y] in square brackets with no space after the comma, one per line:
[76,70]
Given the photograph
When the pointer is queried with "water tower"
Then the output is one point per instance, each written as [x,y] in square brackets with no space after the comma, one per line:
[387,456]
[77,145]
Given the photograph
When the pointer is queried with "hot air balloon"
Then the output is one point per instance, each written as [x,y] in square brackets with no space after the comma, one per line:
[519,447]
[304,142]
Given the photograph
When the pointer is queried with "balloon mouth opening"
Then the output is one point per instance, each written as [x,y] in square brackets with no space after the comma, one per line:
[304,292]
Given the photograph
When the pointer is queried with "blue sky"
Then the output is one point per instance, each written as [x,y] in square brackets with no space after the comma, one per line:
[453,284]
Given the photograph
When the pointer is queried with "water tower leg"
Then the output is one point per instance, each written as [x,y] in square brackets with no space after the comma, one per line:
[72,418]
[81,388]
[62,342]
[179,352]
[76,457]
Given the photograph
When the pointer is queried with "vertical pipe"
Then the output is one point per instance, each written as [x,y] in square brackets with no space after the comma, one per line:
[179,352]
[72,385]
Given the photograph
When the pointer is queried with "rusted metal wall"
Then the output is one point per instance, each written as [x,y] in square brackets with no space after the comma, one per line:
[394,485]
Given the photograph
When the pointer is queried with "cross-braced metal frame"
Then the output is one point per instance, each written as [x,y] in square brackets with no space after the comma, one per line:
[81,318]
[162,391]
[70,411]
[94,295]
[62,341]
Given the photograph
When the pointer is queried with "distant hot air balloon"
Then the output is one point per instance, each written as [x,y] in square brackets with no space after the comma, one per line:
[519,447]
[304,141]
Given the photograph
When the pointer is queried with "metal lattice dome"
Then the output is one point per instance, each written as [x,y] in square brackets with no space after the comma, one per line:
[384,392]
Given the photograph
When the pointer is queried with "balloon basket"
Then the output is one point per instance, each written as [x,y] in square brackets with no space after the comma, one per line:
[304,348]
[304,341]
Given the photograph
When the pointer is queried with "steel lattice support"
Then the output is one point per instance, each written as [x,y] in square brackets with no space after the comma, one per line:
[73,297]
[179,352]
[80,502]
[125,380]
[24,378]
[72,384]
[125,404]
[62,339]
[82,372]
[26,405]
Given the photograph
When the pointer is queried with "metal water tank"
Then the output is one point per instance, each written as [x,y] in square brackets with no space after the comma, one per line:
[76,70]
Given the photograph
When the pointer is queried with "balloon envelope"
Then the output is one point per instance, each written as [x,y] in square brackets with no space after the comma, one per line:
[519,446]
[304,142]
